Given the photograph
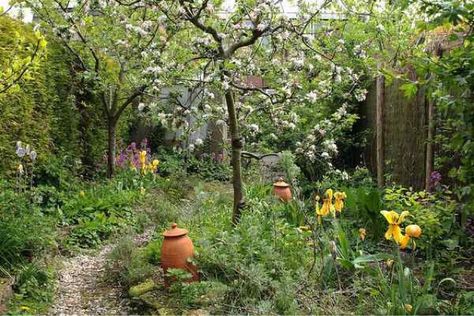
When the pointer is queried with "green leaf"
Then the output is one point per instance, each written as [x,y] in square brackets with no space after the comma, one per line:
[409,89]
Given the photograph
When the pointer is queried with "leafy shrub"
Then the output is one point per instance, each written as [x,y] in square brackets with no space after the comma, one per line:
[209,169]
[259,260]
[363,208]
[435,213]
[128,265]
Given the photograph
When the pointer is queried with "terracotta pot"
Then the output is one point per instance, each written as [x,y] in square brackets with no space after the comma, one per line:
[177,248]
[282,190]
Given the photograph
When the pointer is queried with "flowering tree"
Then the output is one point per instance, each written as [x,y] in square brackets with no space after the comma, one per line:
[119,51]
[262,61]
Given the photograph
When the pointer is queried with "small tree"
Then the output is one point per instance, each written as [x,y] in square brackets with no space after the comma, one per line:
[118,50]
[229,46]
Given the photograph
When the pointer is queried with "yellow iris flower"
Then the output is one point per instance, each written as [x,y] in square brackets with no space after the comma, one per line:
[362,233]
[327,203]
[143,157]
[394,231]
[339,201]
[319,211]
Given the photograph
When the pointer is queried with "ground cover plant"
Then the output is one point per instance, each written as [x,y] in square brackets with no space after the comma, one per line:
[120,118]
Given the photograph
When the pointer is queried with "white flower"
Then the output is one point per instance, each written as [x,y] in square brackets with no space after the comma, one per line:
[310,155]
[330,145]
[225,85]
[312,96]
[344,176]
[298,62]
[254,128]
[198,142]
[261,27]
[342,110]
[20,152]
[360,95]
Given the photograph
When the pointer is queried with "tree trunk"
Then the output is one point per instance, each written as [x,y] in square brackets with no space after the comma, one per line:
[429,145]
[112,126]
[236,158]
[380,85]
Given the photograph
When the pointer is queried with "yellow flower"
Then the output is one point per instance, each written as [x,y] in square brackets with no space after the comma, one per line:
[413,231]
[327,204]
[143,158]
[339,203]
[329,194]
[394,220]
[318,210]
[20,169]
[362,233]
[404,241]
[25,308]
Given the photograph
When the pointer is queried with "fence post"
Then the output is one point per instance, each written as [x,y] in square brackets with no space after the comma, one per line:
[380,100]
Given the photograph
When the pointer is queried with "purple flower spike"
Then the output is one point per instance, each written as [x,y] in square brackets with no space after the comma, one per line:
[435,179]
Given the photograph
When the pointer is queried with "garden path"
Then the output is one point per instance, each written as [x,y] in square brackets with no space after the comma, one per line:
[82,286]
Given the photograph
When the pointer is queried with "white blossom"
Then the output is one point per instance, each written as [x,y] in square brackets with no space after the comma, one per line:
[261,27]
[198,142]
[254,128]
[312,96]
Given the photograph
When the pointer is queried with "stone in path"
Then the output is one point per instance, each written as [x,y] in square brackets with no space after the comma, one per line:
[83,290]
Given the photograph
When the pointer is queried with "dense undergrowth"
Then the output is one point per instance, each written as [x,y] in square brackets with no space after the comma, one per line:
[41,222]
[280,260]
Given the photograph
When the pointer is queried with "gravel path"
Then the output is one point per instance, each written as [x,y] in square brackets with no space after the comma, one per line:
[82,289]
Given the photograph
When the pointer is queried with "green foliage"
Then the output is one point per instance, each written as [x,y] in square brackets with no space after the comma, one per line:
[209,169]
[128,265]
[363,208]
[434,213]
[33,287]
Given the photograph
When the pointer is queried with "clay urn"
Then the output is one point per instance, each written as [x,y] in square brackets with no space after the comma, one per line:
[176,252]
[282,190]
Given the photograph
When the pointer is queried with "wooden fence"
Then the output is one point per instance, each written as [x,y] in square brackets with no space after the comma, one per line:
[405,129]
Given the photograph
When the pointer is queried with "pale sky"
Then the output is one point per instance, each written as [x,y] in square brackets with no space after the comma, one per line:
[289,6]
[14,12]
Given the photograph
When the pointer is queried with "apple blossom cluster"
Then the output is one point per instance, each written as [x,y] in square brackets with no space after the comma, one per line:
[320,143]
